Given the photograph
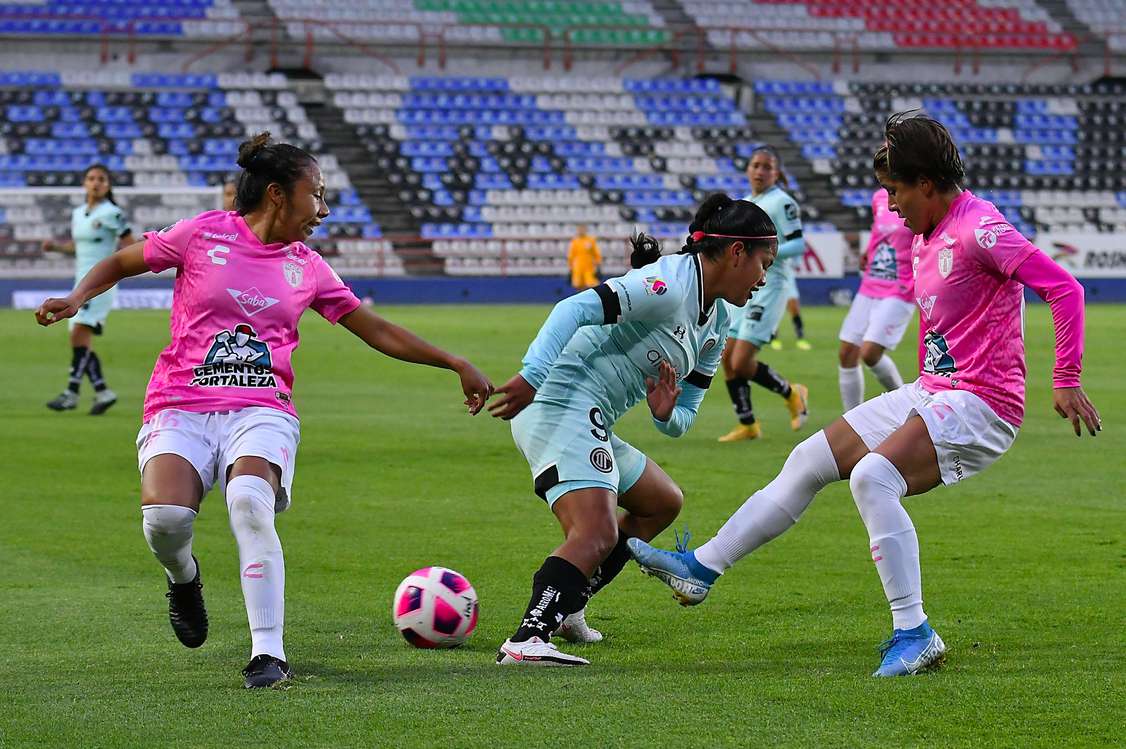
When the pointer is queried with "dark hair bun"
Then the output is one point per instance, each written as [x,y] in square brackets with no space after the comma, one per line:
[646,250]
[249,149]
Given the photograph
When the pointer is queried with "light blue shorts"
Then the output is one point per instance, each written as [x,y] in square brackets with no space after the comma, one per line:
[791,290]
[570,447]
[758,320]
[95,311]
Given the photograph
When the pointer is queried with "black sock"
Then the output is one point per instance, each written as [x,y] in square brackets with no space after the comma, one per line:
[610,567]
[771,380]
[739,391]
[78,358]
[94,372]
[799,326]
[558,590]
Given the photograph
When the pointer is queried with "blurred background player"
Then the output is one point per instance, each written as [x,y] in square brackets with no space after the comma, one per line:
[793,309]
[212,416]
[583,258]
[956,420]
[656,334]
[230,189]
[884,304]
[98,228]
[755,323]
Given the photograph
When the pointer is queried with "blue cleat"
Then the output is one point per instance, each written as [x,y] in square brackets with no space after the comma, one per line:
[689,579]
[910,651]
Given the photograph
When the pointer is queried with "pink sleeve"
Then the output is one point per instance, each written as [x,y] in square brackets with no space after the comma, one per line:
[166,248]
[334,299]
[999,246]
[1064,295]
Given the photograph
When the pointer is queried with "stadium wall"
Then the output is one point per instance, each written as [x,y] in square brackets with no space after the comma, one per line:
[26,293]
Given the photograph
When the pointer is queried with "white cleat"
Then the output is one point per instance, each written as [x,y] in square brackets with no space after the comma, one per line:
[535,652]
[575,629]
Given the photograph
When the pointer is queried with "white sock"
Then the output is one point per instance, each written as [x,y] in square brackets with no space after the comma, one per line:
[168,529]
[852,386]
[887,373]
[250,501]
[774,508]
[878,489]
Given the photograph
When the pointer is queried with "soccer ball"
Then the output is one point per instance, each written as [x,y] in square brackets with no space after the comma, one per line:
[435,607]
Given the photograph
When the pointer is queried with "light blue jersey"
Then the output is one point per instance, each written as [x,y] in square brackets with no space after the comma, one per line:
[96,232]
[589,365]
[758,319]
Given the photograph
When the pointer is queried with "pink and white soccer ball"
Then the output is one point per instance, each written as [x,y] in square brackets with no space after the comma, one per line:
[435,607]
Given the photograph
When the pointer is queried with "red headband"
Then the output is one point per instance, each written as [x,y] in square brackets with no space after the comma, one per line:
[698,235]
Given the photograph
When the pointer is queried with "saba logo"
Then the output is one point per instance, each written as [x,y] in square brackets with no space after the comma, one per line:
[252,301]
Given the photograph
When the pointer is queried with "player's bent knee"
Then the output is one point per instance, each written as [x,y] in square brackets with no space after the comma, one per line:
[874,481]
[871,353]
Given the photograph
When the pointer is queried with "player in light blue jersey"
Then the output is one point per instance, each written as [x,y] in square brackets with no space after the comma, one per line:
[754,324]
[654,334]
[98,228]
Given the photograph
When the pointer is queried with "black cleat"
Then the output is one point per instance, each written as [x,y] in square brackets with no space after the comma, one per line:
[65,401]
[186,611]
[266,671]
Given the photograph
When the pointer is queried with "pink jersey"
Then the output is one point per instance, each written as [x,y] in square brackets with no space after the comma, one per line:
[235,308]
[971,308]
[888,271]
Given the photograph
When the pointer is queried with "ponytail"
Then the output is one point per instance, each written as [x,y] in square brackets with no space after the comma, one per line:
[646,250]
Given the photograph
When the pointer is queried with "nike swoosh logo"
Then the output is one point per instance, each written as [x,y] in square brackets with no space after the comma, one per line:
[514,656]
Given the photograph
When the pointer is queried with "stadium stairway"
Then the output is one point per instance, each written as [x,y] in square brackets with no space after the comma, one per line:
[819,200]
[1061,13]
[376,192]
[257,13]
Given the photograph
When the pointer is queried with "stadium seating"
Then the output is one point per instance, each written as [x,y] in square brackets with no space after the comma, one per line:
[169,18]
[513,164]
[589,23]
[1047,155]
[1105,18]
[165,135]
[833,24]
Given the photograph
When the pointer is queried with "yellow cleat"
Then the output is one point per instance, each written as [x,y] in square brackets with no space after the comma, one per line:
[743,432]
[776,344]
[804,345]
[798,404]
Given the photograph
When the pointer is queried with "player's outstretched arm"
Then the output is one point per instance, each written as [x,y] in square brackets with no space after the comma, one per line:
[399,343]
[1064,296]
[122,264]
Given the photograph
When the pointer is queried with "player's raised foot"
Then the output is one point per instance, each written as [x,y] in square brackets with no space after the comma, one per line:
[910,651]
[575,629]
[776,344]
[804,345]
[798,405]
[536,652]
[266,671]
[186,611]
[690,581]
[65,401]
[102,402]
[743,432]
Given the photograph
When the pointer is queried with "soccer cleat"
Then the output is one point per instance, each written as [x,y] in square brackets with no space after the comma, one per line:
[266,671]
[690,581]
[743,432]
[186,611]
[804,345]
[776,344]
[910,651]
[65,401]
[575,629]
[102,402]
[798,404]
[535,652]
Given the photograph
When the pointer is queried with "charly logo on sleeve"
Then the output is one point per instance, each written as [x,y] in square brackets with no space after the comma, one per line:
[654,285]
[237,358]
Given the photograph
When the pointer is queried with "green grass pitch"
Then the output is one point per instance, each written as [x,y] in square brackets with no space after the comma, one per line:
[1023,570]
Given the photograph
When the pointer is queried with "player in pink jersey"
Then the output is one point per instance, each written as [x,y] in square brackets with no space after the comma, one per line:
[971,267]
[883,306]
[219,406]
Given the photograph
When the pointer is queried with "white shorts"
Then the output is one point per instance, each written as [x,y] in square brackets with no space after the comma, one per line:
[882,321]
[967,435]
[212,442]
